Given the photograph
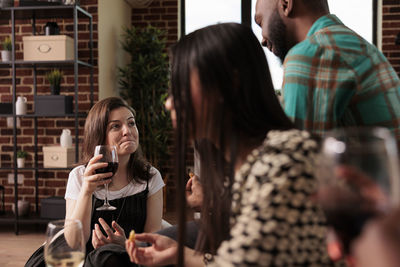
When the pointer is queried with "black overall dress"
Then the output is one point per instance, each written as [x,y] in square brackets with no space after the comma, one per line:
[130,214]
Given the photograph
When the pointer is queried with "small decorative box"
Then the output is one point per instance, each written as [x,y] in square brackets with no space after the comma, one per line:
[52,208]
[48,47]
[58,156]
[48,105]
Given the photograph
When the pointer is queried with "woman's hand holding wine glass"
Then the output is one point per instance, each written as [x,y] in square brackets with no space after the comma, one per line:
[109,156]
[359,179]
[93,180]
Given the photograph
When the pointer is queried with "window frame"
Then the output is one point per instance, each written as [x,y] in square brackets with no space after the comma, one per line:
[247,18]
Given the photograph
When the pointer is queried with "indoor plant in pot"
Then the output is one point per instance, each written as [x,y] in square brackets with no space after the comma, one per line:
[144,84]
[6,3]
[54,77]
[6,52]
[21,155]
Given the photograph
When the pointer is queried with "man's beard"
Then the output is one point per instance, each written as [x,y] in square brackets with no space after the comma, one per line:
[277,36]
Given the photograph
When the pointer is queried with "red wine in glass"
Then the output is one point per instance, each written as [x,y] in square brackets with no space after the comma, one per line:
[346,214]
[359,179]
[112,167]
[110,156]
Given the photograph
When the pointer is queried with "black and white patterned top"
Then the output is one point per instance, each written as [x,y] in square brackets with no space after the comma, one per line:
[274,222]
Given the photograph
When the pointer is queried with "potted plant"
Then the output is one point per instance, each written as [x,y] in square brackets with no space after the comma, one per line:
[144,84]
[6,52]
[21,155]
[54,78]
[6,3]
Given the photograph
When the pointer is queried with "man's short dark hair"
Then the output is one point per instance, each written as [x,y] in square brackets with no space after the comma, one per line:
[317,5]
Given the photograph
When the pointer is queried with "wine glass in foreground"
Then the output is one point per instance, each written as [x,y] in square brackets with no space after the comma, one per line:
[358,179]
[110,156]
[64,245]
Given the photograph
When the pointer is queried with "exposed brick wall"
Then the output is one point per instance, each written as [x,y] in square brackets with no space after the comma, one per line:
[390,29]
[49,129]
[162,14]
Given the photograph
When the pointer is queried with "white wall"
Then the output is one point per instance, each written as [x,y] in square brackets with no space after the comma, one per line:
[113,16]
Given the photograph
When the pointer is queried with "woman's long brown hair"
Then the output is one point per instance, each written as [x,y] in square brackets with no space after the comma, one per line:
[95,133]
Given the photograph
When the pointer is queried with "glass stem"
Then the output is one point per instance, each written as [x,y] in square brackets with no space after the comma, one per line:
[106,196]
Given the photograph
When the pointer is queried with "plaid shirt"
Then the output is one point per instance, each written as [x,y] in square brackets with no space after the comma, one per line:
[334,78]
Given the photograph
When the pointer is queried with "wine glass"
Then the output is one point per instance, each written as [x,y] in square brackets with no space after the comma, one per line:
[65,245]
[358,179]
[110,156]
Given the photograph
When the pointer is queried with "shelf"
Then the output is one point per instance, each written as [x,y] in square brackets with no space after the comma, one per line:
[72,115]
[31,218]
[44,64]
[38,168]
[43,12]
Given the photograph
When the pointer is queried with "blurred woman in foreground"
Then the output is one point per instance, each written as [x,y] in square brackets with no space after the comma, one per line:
[256,169]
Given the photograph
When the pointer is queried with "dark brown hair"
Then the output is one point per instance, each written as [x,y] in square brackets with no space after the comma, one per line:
[240,106]
[95,133]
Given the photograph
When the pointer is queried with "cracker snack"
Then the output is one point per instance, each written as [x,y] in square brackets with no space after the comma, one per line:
[132,236]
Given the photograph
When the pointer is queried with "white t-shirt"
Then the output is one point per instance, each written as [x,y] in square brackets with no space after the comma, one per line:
[75,180]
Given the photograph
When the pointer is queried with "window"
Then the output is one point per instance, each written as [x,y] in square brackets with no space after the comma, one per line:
[356,14]
[201,13]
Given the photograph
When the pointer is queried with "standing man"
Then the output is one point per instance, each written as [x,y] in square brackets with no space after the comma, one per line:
[332,76]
